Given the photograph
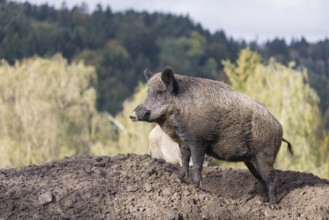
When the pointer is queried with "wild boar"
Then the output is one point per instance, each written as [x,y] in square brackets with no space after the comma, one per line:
[161,146]
[209,117]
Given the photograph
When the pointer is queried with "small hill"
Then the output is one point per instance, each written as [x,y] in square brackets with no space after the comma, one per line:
[140,187]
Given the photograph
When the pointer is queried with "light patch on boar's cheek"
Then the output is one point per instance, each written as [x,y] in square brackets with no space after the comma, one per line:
[158,112]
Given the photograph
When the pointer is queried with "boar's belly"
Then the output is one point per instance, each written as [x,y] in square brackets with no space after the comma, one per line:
[230,152]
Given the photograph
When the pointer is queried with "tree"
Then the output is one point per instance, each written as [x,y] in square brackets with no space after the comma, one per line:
[48,111]
[244,68]
[183,53]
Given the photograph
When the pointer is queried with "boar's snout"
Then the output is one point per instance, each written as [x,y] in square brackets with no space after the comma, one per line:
[140,114]
[133,116]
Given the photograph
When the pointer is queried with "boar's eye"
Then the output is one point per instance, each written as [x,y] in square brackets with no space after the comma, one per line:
[160,92]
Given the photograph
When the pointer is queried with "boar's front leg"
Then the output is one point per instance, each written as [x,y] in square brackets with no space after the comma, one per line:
[198,154]
[186,155]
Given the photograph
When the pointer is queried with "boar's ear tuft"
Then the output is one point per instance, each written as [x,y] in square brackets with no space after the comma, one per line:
[169,80]
[148,74]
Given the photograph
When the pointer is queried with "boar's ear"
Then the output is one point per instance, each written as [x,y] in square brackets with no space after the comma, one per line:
[169,80]
[148,74]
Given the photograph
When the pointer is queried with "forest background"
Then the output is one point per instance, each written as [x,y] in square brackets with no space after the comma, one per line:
[69,79]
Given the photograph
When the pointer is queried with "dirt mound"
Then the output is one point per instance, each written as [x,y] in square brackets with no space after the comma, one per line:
[140,187]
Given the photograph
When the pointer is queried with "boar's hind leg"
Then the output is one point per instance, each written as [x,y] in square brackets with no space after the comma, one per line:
[266,171]
[256,174]
[186,155]
[254,171]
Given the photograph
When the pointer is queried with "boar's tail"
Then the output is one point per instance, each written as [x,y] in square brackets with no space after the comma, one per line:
[290,150]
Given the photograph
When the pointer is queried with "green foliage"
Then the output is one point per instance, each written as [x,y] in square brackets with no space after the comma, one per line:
[289,97]
[245,66]
[321,84]
[48,111]
[119,45]
[313,56]
[183,53]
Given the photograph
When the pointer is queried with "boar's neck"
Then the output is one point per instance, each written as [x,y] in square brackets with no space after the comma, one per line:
[173,126]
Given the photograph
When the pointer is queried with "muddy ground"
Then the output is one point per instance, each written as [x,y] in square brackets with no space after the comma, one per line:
[139,187]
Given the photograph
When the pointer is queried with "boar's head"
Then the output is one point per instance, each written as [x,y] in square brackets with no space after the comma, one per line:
[162,88]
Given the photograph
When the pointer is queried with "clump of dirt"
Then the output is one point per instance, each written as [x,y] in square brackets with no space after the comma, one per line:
[140,187]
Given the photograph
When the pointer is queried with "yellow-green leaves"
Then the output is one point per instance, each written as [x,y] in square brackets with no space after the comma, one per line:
[244,68]
[47,111]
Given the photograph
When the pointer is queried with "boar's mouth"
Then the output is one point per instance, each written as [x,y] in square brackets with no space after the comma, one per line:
[147,116]
[138,116]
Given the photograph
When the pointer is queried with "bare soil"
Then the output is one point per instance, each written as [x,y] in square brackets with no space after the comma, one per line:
[140,187]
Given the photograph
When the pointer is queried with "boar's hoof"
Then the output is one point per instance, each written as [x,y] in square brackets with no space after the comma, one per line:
[267,199]
[264,199]
[273,201]
[197,184]
[183,173]
[197,181]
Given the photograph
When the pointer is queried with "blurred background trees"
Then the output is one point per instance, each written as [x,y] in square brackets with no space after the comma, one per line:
[48,111]
[90,116]
[121,44]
